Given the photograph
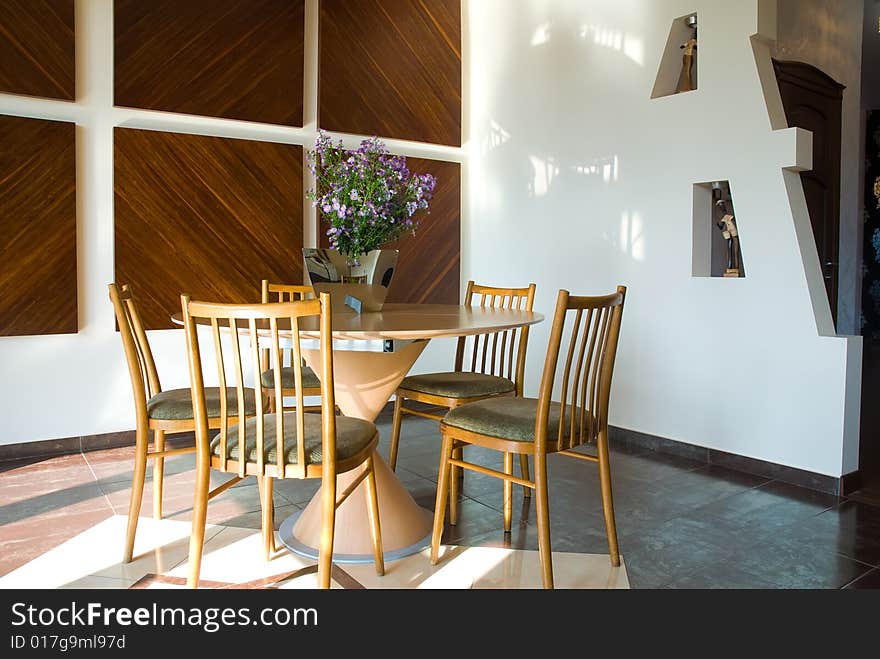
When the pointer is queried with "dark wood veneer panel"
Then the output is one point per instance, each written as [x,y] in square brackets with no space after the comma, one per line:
[37,48]
[428,269]
[217,58]
[392,68]
[208,216]
[37,227]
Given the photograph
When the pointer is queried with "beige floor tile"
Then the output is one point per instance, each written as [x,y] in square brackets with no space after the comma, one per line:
[158,548]
[235,555]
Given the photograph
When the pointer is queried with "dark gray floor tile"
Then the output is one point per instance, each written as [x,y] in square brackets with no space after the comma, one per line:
[719,577]
[791,563]
[650,467]
[768,508]
[851,529]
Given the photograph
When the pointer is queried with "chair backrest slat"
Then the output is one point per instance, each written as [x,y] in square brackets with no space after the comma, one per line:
[504,357]
[577,418]
[239,392]
[277,393]
[585,420]
[283,293]
[568,359]
[138,355]
[277,319]
[300,407]
[587,372]
[258,387]
[224,399]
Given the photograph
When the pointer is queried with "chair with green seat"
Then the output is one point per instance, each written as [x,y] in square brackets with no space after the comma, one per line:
[494,366]
[538,427]
[276,445]
[157,411]
[311,384]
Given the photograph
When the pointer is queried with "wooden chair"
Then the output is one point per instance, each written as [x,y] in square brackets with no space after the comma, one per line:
[156,410]
[310,382]
[539,427]
[273,445]
[490,372]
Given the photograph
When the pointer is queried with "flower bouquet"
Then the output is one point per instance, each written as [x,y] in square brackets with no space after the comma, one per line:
[366,198]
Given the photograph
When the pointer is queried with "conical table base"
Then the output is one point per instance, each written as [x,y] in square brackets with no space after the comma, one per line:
[364,381]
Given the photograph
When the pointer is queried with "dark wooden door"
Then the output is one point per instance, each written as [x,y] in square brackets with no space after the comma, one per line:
[813,101]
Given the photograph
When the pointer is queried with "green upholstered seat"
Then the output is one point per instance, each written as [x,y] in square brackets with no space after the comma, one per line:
[288,380]
[458,385]
[507,418]
[176,404]
[352,435]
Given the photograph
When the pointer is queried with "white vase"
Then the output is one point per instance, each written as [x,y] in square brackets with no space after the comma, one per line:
[354,284]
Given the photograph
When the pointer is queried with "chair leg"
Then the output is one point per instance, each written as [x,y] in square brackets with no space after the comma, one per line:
[524,472]
[543,515]
[267,506]
[137,490]
[199,517]
[328,525]
[395,432]
[373,511]
[508,492]
[454,486]
[442,494]
[607,499]
[158,473]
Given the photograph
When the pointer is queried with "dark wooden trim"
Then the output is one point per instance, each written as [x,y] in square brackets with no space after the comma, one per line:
[850,483]
[820,482]
[50,448]
[842,486]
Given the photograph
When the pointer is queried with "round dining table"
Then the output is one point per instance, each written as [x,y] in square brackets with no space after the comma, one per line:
[372,353]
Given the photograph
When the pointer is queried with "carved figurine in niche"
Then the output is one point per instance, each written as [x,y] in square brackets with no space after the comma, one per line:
[727,225]
[686,81]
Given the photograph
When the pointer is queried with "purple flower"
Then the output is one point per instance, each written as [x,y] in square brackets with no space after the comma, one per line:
[367,196]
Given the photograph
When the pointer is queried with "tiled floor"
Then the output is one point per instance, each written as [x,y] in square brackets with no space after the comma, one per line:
[681,524]
[234,556]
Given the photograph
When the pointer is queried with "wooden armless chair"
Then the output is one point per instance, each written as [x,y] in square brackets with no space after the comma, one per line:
[488,373]
[273,445]
[311,384]
[539,427]
[158,411]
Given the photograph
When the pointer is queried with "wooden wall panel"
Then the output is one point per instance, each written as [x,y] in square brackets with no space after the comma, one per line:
[37,52]
[208,216]
[391,68]
[218,58]
[429,266]
[37,227]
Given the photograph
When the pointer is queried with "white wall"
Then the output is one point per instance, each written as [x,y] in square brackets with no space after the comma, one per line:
[579,180]
[553,88]
[75,385]
[828,35]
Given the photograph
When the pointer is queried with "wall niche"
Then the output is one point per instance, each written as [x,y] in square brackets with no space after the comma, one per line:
[717,250]
[678,66]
